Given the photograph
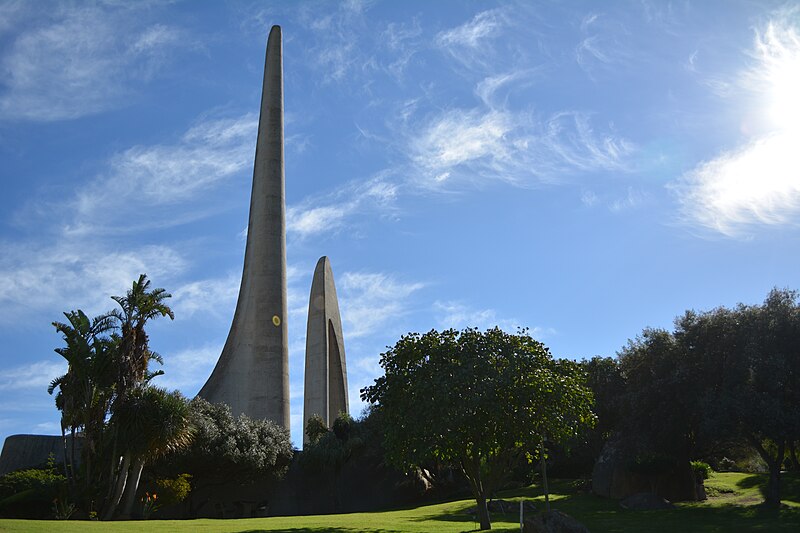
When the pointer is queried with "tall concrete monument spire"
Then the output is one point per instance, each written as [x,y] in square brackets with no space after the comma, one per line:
[326,373]
[252,374]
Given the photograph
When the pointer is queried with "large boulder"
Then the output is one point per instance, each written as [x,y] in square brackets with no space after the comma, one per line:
[645,501]
[614,475]
[505,507]
[553,522]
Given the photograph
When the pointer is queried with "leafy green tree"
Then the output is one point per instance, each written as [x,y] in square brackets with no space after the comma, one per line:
[660,405]
[751,358]
[478,400]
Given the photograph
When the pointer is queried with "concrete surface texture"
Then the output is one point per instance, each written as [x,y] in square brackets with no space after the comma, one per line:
[252,373]
[29,451]
[326,372]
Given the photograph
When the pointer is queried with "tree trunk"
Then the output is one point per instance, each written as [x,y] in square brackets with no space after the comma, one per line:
[119,487]
[67,471]
[129,496]
[472,471]
[793,455]
[773,499]
[773,496]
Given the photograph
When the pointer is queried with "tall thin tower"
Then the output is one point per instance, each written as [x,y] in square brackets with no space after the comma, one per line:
[252,373]
[325,391]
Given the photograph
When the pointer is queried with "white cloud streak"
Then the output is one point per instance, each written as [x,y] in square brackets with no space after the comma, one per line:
[330,213]
[72,275]
[72,61]
[369,301]
[206,296]
[187,370]
[518,148]
[36,375]
[166,174]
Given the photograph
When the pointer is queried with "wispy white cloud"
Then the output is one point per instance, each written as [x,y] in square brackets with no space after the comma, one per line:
[206,296]
[187,370]
[36,375]
[71,61]
[519,148]
[472,33]
[459,137]
[404,41]
[75,274]
[370,300]
[335,52]
[469,42]
[164,174]
[330,213]
[600,45]
[631,200]
[458,315]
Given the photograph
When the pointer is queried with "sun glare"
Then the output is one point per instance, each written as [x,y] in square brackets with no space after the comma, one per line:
[779,54]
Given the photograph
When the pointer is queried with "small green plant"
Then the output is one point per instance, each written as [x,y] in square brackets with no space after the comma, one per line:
[315,428]
[174,490]
[701,470]
[149,504]
[62,509]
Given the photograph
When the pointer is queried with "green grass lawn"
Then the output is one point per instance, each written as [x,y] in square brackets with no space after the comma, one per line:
[732,506]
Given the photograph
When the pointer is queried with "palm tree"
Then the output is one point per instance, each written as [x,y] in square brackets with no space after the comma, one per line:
[85,391]
[151,422]
[137,307]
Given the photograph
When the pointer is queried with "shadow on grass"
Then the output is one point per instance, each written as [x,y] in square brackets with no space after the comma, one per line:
[605,515]
[790,485]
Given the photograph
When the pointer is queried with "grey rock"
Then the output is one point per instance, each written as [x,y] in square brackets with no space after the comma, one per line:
[645,501]
[553,522]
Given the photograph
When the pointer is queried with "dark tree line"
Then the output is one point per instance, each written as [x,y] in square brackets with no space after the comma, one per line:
[721,380]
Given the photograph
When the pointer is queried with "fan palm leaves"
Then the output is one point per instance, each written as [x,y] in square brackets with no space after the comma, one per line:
[137,307]
[151,422]
[85,390]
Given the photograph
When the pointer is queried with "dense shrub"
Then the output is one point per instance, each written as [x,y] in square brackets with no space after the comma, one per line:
[701,470]
[31,493]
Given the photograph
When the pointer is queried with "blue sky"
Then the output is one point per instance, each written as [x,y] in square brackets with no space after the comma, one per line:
[583,169]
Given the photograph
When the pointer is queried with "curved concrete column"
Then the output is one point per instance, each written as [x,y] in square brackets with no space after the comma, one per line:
[326,372]
[252,374]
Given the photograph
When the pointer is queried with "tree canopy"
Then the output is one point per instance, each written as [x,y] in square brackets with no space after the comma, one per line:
[723,378]
[106,395]
[478,400]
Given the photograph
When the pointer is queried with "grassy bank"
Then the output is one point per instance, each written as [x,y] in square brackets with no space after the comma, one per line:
[732,506]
